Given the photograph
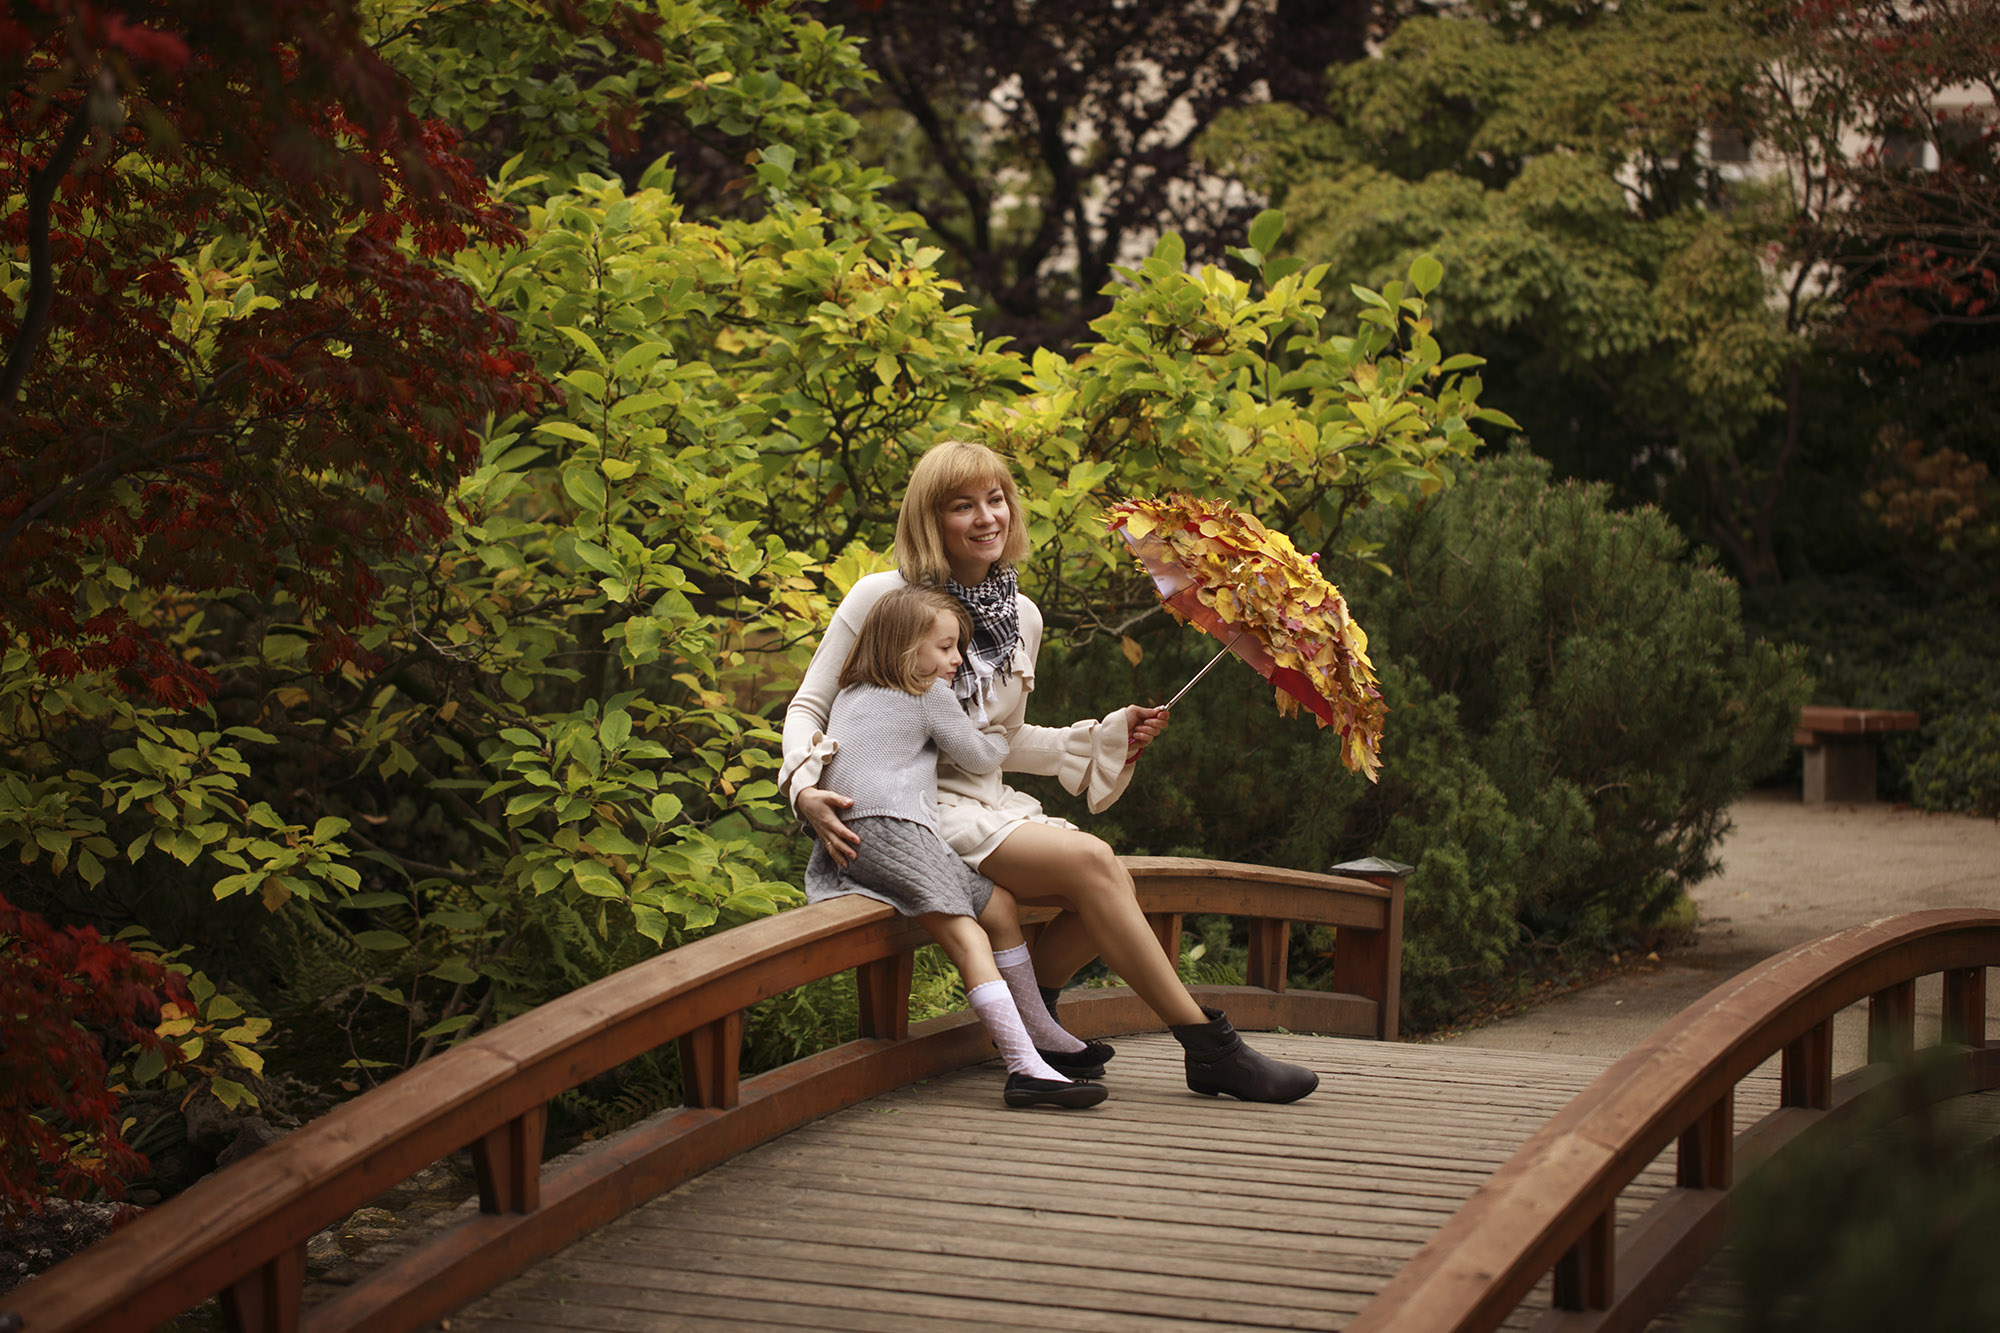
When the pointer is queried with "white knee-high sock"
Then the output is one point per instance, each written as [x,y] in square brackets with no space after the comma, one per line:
[994,1004]
[1018,971]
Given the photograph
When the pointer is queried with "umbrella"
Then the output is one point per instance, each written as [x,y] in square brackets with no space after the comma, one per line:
[1225,572]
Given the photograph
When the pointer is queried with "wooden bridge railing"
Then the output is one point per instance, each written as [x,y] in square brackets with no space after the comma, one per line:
[242,1232]
[1552,1205]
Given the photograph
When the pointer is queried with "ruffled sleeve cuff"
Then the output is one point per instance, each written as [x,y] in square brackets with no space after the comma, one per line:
[803,769]
[1093,761]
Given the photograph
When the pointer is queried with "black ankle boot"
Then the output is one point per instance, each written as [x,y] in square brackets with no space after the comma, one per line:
[1218,1061]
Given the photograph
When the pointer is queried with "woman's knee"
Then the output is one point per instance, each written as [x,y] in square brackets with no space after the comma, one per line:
[1098,871]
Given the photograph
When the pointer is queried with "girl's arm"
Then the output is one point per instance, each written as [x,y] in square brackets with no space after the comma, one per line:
[806,715]
[806,748]
[971,749]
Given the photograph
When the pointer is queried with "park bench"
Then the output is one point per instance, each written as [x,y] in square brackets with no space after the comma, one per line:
[1840,749]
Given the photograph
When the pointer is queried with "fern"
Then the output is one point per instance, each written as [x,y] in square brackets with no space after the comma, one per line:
[615,1100]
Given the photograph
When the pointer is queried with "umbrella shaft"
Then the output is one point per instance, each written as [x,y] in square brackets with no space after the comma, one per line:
[1205,670]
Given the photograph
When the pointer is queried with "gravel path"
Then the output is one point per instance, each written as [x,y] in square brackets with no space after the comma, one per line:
[1790,873]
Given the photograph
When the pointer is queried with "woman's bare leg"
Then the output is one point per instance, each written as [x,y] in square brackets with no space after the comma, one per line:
[1061,949]
[1043,864]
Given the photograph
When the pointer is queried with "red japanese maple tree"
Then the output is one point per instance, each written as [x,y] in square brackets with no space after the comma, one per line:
[299,441]
[66,995]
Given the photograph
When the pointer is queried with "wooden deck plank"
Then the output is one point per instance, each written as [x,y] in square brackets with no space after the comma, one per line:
[1160,1209]
[1121,1260]
[1084,1229]
[1138,1150]
[1203,1293]
[660,1291]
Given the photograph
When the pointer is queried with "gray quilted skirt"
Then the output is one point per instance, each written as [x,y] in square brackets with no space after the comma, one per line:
[904,864]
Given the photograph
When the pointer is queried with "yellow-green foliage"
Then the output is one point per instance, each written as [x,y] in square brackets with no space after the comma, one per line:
[556,754]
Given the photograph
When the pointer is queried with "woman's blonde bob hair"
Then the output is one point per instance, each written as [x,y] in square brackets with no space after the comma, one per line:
[952,468]
[885,651]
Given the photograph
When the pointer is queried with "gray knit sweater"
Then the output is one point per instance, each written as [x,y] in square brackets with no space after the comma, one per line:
[888,747]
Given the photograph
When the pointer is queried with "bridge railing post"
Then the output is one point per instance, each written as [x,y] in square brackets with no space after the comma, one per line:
[1706,1160]
[711,1058]
[1270,953]
[270,1298]
[1584,1276]
[1965,1006]
[507,1162]
[1370,962]
[1805,1069]
[1892,1021]
[883,988]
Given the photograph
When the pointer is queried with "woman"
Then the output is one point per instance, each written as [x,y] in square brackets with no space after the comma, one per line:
[960,528]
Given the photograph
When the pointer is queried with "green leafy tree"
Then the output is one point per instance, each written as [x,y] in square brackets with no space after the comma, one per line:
[1616,268]
[551,752]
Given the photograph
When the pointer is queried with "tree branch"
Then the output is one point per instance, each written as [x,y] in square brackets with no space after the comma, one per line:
[117,463]
[41,270]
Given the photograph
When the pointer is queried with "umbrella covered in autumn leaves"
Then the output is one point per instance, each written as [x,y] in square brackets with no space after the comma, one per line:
[1224,571]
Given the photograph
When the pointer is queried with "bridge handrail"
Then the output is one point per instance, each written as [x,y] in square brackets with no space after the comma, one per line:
[1552,1205]
[241,1232]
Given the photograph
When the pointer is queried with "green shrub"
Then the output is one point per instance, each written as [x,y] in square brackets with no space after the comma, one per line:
[1574,705]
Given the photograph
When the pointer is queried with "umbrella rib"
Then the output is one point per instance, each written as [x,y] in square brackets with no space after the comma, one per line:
[1204,671]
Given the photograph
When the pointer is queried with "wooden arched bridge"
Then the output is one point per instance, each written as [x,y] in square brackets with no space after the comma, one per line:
[880,1185]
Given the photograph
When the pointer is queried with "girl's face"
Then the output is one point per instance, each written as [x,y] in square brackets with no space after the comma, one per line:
[975,531]
[937,655]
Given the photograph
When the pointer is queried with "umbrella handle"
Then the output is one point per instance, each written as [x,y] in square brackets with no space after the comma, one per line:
[1204,671]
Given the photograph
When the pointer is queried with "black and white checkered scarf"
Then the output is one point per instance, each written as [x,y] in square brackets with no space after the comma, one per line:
[996,628]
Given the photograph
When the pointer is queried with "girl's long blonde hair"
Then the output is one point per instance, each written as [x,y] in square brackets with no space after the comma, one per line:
[946,470]
[885,651]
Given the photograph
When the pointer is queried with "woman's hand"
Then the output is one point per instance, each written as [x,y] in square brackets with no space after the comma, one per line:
[1144,726]
[817,806]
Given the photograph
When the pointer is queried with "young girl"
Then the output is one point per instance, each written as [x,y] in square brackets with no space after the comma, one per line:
[894,712]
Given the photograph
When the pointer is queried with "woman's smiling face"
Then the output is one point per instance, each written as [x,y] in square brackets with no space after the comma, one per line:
[975,522]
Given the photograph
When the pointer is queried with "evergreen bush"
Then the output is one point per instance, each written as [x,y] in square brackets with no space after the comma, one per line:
[1574,705]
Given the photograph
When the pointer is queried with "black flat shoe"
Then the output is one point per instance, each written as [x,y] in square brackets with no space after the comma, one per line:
[1086,1063]
[1072,1096]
